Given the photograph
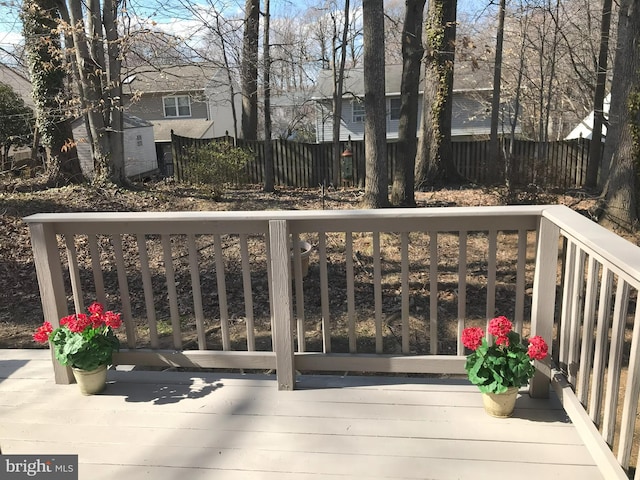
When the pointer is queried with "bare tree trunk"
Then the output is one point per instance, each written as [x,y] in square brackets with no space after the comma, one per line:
[375,132]
[494,144]
[434,162]
[94,104]
[249,69]
[402,192]
[338,82]
[230,81]
[113,91]
[269,180]
[622,147]
[595,146]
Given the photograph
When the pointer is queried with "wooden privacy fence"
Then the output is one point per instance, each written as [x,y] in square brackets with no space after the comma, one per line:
[561,164]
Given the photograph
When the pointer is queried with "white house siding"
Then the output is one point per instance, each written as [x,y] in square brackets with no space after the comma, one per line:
[139,147]
[471,117]
[139,151]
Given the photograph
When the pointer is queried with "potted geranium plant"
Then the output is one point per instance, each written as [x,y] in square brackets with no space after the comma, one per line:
[500,367]
[84,342]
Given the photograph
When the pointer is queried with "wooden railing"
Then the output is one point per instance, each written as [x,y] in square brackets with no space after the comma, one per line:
[387,291]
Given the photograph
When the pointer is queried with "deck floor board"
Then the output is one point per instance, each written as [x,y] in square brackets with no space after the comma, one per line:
[176,425]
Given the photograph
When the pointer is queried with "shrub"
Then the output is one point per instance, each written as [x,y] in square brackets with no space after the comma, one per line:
[217,165]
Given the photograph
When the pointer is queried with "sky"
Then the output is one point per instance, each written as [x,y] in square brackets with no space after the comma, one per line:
[10,26]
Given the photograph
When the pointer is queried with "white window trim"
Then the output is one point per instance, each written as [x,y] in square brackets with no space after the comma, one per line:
[357,117]
[175,101]
[390,109]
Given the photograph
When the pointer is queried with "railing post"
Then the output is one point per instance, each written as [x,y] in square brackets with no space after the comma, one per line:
[281,306]
[544,299]
[50,281]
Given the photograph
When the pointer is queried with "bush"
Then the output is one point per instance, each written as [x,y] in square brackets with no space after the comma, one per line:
[217,165]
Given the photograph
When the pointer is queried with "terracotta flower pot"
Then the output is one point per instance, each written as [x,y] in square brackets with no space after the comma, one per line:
[500,405]
[91,382]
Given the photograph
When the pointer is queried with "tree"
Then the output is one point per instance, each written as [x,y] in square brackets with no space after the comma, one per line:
[337,67]
[96,44]
[402,192]
[494,144]
[595,146]
[375,132]
[622,147]
[434,162]
[47,71]
[249,69]
[16,122]
[269,180]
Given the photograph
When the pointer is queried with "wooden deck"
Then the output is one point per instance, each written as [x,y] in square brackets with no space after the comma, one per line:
[176,425]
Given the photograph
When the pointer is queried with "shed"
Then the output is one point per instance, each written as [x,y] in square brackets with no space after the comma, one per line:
[139,146]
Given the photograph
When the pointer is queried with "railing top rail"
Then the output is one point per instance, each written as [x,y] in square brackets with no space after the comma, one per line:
[432,212]
[617,253]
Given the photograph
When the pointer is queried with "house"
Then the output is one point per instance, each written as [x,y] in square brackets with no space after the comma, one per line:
[139,148]
[19,82]
[191,100]
[585,128]
[471,103]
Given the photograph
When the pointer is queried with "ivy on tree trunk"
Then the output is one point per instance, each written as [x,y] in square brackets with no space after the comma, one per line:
[434,162]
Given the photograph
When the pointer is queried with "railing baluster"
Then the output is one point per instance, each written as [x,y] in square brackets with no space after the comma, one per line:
[74,273]
[377,290]
[433,293]
[222,292]
[123,287]
[351,300]
[576,300]
[615,359]
[404,288]
[567,305]
[492,237]
[96,268]
[297,266]
[248,293]
[601,347]
[171,291]
[147,287]
[586,351]
[632,391]
[194,269]
[324,292]
[462,288]
[521,274]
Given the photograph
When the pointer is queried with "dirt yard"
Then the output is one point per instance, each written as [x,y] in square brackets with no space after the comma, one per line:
[20,309]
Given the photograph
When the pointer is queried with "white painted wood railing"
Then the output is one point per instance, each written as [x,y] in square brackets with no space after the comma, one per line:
[387,291]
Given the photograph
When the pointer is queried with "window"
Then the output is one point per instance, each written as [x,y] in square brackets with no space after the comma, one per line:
[357,109]
[139,140]
[394,108]
[177,106]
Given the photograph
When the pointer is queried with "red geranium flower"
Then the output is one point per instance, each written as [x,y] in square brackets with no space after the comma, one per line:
[43,332]
[538,348]
[112,320]
[472,337]
[500,326]
[504,340]
[96,308]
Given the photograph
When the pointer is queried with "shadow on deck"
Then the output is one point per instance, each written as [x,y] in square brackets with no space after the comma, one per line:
[175,425]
